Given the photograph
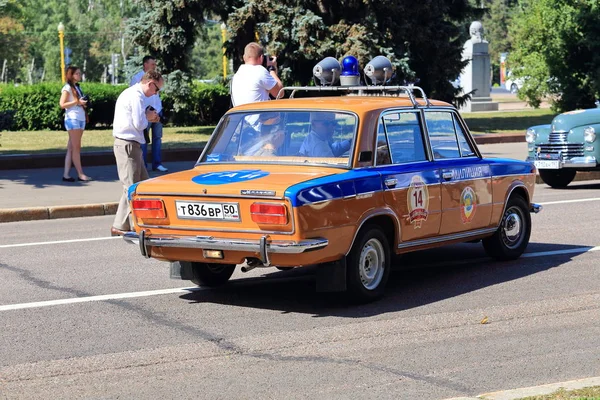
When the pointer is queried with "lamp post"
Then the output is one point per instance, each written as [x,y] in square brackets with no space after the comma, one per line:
[61,37]
[224,36]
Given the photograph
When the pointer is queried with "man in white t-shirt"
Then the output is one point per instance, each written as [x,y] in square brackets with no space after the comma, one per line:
[149,64]
[252,82]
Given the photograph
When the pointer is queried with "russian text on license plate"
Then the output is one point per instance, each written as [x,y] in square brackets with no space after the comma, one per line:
[199,210]
[547,164]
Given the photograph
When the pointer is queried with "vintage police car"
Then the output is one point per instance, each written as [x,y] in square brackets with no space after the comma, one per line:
[565,146]
[340,182]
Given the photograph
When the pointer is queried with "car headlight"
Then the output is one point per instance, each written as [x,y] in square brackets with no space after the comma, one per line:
[589,134]
[530,136]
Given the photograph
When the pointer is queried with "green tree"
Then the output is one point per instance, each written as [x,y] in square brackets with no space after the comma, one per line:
[557,52]
[207,55]
[13,40]
[422,39]
[496,22]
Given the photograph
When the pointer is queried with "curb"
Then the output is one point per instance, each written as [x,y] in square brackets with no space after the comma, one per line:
[581,176]
[539,390]
[55,212]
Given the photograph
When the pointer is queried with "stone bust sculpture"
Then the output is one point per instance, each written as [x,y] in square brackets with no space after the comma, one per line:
[476,31]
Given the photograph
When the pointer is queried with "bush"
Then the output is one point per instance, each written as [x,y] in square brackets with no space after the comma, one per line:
[35,107]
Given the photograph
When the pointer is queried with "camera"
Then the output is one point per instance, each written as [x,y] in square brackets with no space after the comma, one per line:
[265,58]
[85,97]
[150,108]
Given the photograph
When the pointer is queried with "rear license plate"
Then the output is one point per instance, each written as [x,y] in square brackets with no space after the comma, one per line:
[547,164]
[199,210]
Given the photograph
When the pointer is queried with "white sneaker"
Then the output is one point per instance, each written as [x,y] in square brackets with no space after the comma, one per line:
[161,169]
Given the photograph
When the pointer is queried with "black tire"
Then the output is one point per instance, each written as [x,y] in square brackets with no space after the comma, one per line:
[512,237]
[514,88]
[557,178]
[284,268]
[368,265]
[207,274]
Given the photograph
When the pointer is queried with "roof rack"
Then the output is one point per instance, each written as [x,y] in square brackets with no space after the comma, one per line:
[360,91]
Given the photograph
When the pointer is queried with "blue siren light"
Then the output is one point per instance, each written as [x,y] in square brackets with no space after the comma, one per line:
[349,66]
[350,75]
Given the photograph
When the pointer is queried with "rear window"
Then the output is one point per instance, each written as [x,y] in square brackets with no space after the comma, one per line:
[283,137]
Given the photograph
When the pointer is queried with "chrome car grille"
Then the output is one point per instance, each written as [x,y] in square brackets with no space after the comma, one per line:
[558,137]
[558,144]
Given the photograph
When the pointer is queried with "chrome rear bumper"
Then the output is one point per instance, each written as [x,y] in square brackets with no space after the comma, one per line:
[264,246]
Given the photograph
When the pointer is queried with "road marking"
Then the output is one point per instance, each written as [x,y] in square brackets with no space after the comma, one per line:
[103,297]
[569,201]
[131,295]
[5,246]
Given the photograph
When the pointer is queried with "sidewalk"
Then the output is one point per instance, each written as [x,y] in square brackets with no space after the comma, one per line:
[39,193]
[32,194]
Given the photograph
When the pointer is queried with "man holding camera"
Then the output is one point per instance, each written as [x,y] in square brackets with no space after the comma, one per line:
[131,118]
[154,103]
[256,78]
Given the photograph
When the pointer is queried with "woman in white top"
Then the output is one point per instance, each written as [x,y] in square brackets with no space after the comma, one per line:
[71,100]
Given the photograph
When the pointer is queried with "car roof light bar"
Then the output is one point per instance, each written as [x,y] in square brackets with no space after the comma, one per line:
[360,91]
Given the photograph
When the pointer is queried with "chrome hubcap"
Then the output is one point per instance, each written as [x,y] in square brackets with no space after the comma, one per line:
[512,227]
[371,264]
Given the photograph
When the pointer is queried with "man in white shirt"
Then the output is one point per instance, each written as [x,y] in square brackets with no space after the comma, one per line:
[149,64]
[131,118]
[252,82]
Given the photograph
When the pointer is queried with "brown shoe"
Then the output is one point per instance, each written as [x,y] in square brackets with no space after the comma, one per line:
[116,232]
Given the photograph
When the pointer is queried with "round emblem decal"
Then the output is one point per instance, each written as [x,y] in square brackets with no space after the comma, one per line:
[467,205]
[224,177]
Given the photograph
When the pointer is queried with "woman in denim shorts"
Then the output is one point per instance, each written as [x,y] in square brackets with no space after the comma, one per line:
[70,100]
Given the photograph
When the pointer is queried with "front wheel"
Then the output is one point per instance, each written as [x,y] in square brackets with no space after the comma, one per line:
[514,88]
[368,265]
[207,274]
[557,178]
[512,236]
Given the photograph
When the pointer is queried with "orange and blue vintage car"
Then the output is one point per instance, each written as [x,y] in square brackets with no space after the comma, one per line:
[340,182]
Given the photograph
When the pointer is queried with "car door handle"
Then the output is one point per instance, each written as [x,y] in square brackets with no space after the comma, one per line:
[447,176]
[391,182]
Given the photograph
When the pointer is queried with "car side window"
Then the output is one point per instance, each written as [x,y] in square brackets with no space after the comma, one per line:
[465,148]
[400,139]
[442,134]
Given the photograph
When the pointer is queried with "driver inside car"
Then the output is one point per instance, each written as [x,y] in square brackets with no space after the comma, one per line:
[319,142]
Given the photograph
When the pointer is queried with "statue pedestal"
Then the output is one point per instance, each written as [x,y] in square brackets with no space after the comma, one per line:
[480,104]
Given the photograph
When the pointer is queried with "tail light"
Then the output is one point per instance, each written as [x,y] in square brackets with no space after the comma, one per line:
[149,209]
[269,213]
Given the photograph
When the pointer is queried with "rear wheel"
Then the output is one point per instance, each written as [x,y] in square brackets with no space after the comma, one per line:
[368,265]
[514,88]
[557,178]
[207,274]
[512,236]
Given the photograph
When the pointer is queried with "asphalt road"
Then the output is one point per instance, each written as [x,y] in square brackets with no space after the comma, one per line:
[269,335]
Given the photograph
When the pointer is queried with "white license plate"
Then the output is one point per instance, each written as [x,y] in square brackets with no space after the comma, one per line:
[199,210]
[547,164]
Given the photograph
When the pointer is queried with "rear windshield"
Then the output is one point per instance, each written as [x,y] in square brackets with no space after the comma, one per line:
[283,137]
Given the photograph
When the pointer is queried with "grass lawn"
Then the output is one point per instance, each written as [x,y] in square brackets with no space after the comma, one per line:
[190,137]
[94,140]
[590,393]
[507,121]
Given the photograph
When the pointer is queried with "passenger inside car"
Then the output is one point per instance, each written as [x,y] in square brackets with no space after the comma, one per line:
[271,137]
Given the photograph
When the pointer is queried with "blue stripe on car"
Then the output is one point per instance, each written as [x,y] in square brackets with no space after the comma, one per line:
[131,190]
[358,182]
